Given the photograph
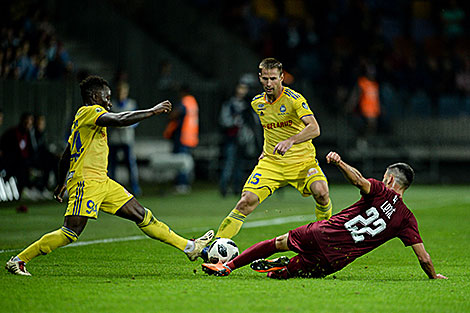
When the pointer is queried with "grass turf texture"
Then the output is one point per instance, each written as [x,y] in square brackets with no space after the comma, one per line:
[146,275]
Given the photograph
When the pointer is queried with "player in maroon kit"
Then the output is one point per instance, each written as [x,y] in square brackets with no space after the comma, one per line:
[327,246]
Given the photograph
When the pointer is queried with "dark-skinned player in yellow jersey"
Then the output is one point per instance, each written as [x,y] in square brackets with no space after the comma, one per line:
[83,172]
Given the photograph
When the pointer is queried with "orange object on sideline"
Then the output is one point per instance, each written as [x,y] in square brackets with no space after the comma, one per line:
[190,127]
[369,102]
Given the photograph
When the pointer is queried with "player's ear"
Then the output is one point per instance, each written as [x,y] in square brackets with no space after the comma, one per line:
[94,96]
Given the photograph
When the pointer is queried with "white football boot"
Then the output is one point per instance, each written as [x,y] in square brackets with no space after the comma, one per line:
[17,267]
[199,244]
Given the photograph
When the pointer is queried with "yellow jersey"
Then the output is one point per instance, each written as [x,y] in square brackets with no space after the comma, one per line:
[88,146]
[281,119]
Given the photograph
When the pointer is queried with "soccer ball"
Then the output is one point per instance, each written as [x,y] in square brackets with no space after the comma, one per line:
[222,250]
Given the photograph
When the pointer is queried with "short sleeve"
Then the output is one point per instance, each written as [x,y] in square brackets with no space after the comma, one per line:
[409,234]
[93,114]
[89,114]
[376,187]
[86,116]
[301,107]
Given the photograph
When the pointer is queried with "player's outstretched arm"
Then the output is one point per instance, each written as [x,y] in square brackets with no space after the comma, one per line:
[311,131]
[353,175]
[425,261]
[132,117]
[64,165]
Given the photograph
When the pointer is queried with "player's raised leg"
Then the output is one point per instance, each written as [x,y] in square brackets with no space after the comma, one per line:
[232,224]
[73,226]
[156,229]
[324,207]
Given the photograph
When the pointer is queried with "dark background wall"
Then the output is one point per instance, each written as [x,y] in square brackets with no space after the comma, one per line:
[211,44]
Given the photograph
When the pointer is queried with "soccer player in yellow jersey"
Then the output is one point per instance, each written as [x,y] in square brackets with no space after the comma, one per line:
[90,189]
[288,155]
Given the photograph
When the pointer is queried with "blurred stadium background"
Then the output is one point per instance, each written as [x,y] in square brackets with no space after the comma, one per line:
[418,50]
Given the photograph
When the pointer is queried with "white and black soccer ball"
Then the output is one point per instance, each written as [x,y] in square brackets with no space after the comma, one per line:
[222,250]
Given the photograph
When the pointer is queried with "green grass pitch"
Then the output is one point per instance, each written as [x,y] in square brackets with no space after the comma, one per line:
[144,275]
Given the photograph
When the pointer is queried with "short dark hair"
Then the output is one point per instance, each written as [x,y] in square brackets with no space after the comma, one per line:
[404,174]
[92,84]
[25,115]
[270,63]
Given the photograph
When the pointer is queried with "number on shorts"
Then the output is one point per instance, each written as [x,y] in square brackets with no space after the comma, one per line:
[254,179]
[373,218]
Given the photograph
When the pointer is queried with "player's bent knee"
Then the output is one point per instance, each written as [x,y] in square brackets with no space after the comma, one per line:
[247,203]
[323,198]
[132,210]
[320,192]
[75,223]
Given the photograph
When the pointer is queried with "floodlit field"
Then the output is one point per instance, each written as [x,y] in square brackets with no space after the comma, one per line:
[138,274]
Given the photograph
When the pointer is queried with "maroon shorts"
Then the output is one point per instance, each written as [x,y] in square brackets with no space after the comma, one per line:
[310,261]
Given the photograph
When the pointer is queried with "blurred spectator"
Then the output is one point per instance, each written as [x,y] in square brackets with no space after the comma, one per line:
[317,38]
[231,121]
[122,139]
[183,130]
[17,151]
[452,18]
[422,25]
[242,140]
[365,102]
[463,77]
[44,161]
[59,66]
[29,49]
[166,80]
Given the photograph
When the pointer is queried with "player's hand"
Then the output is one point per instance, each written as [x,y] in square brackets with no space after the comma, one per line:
[59,193]
[261,156]
[439,276]
[333,158]
[283,146]
[162,107]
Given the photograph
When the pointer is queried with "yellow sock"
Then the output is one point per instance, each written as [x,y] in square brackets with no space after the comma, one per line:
[231,225]
[160,231]
[324,212]
[48,243]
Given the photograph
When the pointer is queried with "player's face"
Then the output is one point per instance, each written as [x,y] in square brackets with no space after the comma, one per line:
[387,180]
[271,79]
[103,98]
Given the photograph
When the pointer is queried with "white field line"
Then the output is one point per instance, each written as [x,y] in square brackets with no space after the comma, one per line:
[253,224]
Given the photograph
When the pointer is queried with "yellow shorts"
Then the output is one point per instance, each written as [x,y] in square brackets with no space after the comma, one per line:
[87,197]
[270,175]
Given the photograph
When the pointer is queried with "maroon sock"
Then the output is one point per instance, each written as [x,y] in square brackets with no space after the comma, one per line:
[260,250]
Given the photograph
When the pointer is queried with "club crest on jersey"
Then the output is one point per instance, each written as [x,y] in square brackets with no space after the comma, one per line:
[98,110]
[305,106]
[261,106]
[283,110]
[312,171]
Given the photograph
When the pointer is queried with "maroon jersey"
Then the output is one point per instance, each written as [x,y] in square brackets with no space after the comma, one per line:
[376,218]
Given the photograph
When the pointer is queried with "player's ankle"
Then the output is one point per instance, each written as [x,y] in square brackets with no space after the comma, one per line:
[230,265]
